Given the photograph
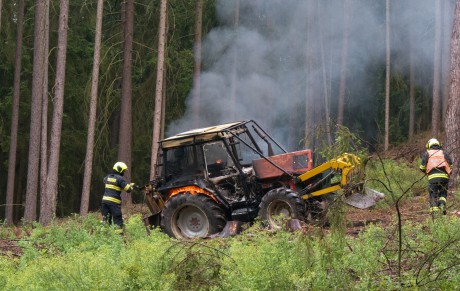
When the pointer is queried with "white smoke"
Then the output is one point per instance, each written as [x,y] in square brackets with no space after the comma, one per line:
[282,50]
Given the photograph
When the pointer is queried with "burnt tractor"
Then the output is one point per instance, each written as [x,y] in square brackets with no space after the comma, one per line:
[207,177]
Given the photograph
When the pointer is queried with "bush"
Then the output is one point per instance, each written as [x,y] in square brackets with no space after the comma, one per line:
[80,255]
[7,266]
[396,179]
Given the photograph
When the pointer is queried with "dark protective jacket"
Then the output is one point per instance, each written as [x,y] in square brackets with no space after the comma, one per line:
[436,163]
[114,184]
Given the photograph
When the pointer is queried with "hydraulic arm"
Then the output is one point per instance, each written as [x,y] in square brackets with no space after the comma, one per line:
[342,165]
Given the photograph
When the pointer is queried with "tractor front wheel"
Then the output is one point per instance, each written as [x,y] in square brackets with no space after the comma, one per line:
[279,205]
[190,216]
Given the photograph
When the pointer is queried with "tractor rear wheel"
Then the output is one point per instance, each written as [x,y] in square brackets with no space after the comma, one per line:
[190,216]
[279,205]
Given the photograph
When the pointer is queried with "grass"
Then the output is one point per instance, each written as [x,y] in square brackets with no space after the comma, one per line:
[397,179]
[81,255]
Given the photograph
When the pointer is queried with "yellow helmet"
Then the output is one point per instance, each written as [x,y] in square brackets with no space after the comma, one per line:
[120,167]
[432,142]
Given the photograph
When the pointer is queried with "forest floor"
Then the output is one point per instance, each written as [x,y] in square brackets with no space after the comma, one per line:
[413,209]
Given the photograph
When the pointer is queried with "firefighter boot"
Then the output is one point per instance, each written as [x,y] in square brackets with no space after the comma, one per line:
[442,205]
[442,208]
[434,211]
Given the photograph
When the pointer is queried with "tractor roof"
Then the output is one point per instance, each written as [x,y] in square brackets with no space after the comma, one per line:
[200,135]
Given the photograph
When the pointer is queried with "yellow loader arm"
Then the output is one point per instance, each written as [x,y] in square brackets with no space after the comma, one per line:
[344,165]
[349,167]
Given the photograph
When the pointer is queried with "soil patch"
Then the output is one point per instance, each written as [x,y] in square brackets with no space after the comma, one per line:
[10,248]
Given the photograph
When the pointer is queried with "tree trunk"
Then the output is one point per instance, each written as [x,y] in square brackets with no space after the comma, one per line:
[163,97]
[159,88]
[326,89]
[30,212]
[44,133]
[14,116]
[310,67]
[436,108]
[344,60]
[84,204]
[453,108]
[163,103]
[234,77]
[197,68]
[387,78]
[447,31]
[412,85]
[55,140]
[19,185]
[125,137]
[1,7]
[412,95]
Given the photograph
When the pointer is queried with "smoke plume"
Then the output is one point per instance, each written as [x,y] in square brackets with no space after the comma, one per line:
[280,62]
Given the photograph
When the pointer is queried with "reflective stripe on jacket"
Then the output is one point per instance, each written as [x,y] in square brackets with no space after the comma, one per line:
[114,184]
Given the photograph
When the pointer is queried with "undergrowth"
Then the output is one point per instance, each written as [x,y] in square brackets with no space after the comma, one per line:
[81,254]
[396,179]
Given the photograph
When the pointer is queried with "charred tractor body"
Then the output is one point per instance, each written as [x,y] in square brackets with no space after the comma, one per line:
[237,172]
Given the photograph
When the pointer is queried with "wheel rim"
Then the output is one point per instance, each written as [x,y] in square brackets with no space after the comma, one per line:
[278,211]
[190,222]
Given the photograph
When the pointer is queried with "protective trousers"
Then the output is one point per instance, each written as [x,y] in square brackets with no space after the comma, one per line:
[111,213]
[438,195]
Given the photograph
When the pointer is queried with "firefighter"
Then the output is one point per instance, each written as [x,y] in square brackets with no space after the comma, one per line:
[111,201]
[436,164]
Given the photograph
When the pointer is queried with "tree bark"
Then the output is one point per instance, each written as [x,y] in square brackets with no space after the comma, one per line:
[310,66]
[163,97]
[125,134]
[49,206]
[30,212]
[412,96]
[344,60]
[84,203]
[14,116]
[44,134]
[19,185]
[447,31]
[326,89]
[234,76]
[1,7]
[453,108]
[387,78]
[197,56]
[412,84]
[159,88]
[436,107]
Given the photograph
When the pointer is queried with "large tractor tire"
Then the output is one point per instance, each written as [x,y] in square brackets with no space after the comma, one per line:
[279,205]
[188,216]
[317,210]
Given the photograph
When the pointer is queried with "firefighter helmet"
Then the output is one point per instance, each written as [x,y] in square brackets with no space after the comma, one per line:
[432,142]
[120,167]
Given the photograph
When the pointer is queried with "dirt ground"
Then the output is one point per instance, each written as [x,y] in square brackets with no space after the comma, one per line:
[415,209]
[9,248]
